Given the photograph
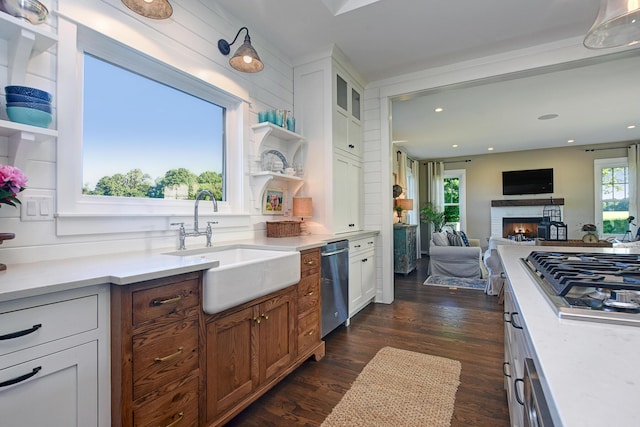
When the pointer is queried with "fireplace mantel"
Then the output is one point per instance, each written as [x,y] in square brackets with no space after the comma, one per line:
[525,202]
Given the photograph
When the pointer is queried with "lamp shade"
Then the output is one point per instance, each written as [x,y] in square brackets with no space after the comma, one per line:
[246,58]
[302,206]
[154,9]
[617,24]
[405,204]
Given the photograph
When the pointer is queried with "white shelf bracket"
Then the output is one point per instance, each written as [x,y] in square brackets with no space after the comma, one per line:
[20,144]
[20,49]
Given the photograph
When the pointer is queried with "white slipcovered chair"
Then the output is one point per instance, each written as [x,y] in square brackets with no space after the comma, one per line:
[495,281]
[455,261]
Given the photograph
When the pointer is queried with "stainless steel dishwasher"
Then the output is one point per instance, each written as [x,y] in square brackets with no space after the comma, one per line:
[335,285]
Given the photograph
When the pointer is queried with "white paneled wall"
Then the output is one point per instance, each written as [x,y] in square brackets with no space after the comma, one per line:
[187,41]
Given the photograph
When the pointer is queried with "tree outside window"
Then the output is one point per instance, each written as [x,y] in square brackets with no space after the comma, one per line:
[615,199]
[452,201]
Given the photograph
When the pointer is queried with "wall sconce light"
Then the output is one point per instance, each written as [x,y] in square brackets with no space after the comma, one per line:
[246,58]
[154,9]
[617,24]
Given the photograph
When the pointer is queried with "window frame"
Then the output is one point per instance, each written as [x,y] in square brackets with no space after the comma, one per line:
[85,214]
[598,165]
[461,174]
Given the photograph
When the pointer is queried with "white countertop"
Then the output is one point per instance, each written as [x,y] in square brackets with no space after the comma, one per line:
[591,370]
[29,279]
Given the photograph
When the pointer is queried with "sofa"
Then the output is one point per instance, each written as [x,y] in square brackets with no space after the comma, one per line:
[455,261]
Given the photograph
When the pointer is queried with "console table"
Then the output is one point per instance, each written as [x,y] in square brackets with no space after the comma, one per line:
[404,248]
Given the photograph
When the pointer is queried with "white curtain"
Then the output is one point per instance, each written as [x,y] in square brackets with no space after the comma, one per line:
[435,184]
[634,179]
[435,195]
[401,177]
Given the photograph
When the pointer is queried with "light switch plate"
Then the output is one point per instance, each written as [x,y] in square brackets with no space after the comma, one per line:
[36,208]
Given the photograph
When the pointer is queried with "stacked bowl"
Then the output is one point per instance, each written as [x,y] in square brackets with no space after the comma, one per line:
[28,105]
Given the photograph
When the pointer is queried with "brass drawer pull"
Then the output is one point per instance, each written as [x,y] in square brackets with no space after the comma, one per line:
[256,319]
[311,332]
[177,421]
[157,302]
[169,357]
[309,262]
[266,316]
[308,294]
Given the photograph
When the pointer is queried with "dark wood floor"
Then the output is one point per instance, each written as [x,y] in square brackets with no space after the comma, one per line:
[462,324]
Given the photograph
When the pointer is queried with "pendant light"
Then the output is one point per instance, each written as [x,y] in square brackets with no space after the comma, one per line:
[246,58]
[617,24]
[154,9]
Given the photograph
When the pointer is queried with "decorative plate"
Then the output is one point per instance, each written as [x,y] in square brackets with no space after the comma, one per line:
[274,156]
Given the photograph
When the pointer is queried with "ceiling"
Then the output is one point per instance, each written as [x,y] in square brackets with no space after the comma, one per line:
[389,38]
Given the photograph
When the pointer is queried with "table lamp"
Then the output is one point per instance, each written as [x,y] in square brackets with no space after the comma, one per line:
[302,207]
[403,205]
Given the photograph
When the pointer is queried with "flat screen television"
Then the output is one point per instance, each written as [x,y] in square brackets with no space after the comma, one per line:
[532,181]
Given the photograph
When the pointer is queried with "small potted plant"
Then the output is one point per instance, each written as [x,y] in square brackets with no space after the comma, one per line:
[429,214]
[12,181]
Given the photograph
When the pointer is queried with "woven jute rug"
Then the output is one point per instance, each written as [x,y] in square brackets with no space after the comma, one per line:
[400,388]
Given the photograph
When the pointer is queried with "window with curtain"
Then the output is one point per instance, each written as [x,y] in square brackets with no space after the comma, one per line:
[454,197]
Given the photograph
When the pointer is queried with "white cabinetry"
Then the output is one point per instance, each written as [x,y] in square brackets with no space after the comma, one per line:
[289,144]
[24,41]
[362,273]
[516,350]
[54,356]
[327,96]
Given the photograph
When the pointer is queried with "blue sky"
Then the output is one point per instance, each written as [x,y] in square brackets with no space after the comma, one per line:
[133,122]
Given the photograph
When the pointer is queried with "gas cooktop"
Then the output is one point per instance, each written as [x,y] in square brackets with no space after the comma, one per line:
[601,287]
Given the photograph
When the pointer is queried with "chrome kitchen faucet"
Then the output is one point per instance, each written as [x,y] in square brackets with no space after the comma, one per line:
[196,232]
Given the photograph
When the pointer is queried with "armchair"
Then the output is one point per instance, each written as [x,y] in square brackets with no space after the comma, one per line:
[456,261]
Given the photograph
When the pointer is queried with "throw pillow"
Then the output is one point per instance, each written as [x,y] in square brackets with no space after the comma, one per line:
[440,239]
[454,239]
[465,239]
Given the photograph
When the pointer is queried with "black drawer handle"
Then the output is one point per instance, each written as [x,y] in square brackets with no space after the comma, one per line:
[21,333]
[21,377]
[504,369]
[515,389]
[352,146]
[513,320]
[352,225]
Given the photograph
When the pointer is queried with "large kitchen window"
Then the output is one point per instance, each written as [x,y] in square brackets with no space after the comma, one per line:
[612,196]
[142,138]
[139,135]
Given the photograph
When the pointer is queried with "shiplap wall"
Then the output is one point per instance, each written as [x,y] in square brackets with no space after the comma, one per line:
[189,40]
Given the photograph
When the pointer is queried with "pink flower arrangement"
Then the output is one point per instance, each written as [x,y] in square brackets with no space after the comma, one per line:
[12,181]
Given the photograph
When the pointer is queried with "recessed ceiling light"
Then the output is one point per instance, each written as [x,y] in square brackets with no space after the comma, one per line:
[455,145]
[571,141]
[631,127]
[548,117]
[439,110]
[490,148]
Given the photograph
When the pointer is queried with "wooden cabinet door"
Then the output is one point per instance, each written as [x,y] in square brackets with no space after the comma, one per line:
[232,361]
[277,334]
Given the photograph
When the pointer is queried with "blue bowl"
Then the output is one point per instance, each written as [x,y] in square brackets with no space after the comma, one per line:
[29,116]
[29,91]
[14,97]
[42,107]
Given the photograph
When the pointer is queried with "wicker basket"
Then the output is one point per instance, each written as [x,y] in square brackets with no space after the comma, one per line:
[283,229]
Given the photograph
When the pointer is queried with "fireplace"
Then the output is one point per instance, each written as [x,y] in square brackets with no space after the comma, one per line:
[515,210]
[520,227]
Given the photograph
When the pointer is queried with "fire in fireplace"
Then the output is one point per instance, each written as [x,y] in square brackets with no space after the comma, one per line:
[520,227]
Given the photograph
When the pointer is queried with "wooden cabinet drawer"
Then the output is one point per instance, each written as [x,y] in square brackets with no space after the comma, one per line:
[179,408]
[32,326]
[163,355]
[155,302]
[308,331]
[308,292]
[309,260]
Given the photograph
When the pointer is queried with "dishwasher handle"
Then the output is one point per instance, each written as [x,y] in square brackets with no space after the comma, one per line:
[339,251]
